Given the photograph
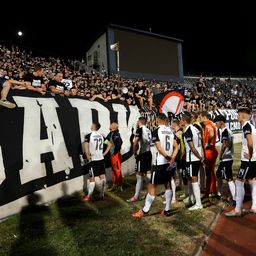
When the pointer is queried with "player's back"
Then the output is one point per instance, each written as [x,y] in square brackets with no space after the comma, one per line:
[248,128]
[210,127]
[96,146]
[227,134]
[164,135]
[145,139]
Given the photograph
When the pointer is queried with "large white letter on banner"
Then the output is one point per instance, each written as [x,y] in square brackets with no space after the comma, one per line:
[124,128]
[2,172]
[85,116]
[33,147]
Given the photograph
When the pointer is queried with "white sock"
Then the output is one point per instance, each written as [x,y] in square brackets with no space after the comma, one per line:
[168,197]
[199,178]
[102,186]
[232,189]
[197,194]
[253,191]
[220,183]
[173,185]
[91,188]
[138,186]
[148,203]
[239,195]
[190,192]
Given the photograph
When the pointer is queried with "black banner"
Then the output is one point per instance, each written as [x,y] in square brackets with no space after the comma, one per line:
[231,116]
[41,139]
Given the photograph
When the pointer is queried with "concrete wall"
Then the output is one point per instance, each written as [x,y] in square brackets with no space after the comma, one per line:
[99,46]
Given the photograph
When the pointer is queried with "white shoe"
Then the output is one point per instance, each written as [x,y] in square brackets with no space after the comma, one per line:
[233,213]
[195,207]
[7,104]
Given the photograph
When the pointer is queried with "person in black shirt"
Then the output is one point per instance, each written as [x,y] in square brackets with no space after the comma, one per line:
[6,84]
[116,142]
[200,87]
[56,86]
[142,93]
[35,81]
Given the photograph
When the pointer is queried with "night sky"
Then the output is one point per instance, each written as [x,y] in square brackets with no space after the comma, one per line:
[218,40]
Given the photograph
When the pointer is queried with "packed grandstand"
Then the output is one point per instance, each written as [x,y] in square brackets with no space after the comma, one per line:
[201,94]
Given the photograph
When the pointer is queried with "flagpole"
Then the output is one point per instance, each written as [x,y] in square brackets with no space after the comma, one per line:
[118,62]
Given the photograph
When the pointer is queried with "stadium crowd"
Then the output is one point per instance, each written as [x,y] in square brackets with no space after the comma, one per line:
[200,94]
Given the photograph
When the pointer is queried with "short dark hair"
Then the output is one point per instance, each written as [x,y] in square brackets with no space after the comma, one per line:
[186,118]
[38,68]
[58,72]
[206,114]
[220,118]
[195,114]
[244,110]
[161,116]
[97,125]
[176,121]
[143,120]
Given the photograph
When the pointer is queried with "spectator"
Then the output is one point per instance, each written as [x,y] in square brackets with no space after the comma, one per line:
[116,142]
[57,87]
[35,81]
[6,84]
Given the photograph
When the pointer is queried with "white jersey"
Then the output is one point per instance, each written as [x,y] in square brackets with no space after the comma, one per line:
[95,141]
[191,133]
[165,136]
[227,135]
[248,128]
[144,135]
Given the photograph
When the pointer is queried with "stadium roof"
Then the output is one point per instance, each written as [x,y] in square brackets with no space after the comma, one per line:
[144,32]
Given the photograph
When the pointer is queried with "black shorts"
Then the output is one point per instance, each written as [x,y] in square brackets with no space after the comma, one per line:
[193,168]
[143,162]
[96,168]
[161,174]
[247,170]
[180,164]
[225,170]
[183,169]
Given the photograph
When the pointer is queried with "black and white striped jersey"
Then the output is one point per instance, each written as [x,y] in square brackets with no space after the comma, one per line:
[227,135]
[248,128]
[144,135]
[165,136]
[95,140]
[191,133]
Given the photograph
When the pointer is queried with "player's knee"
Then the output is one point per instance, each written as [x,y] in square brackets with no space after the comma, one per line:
[167,185]
[240,180]
[194,179]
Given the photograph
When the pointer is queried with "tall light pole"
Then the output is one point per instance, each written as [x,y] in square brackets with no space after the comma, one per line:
[115,47]
[118,61]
